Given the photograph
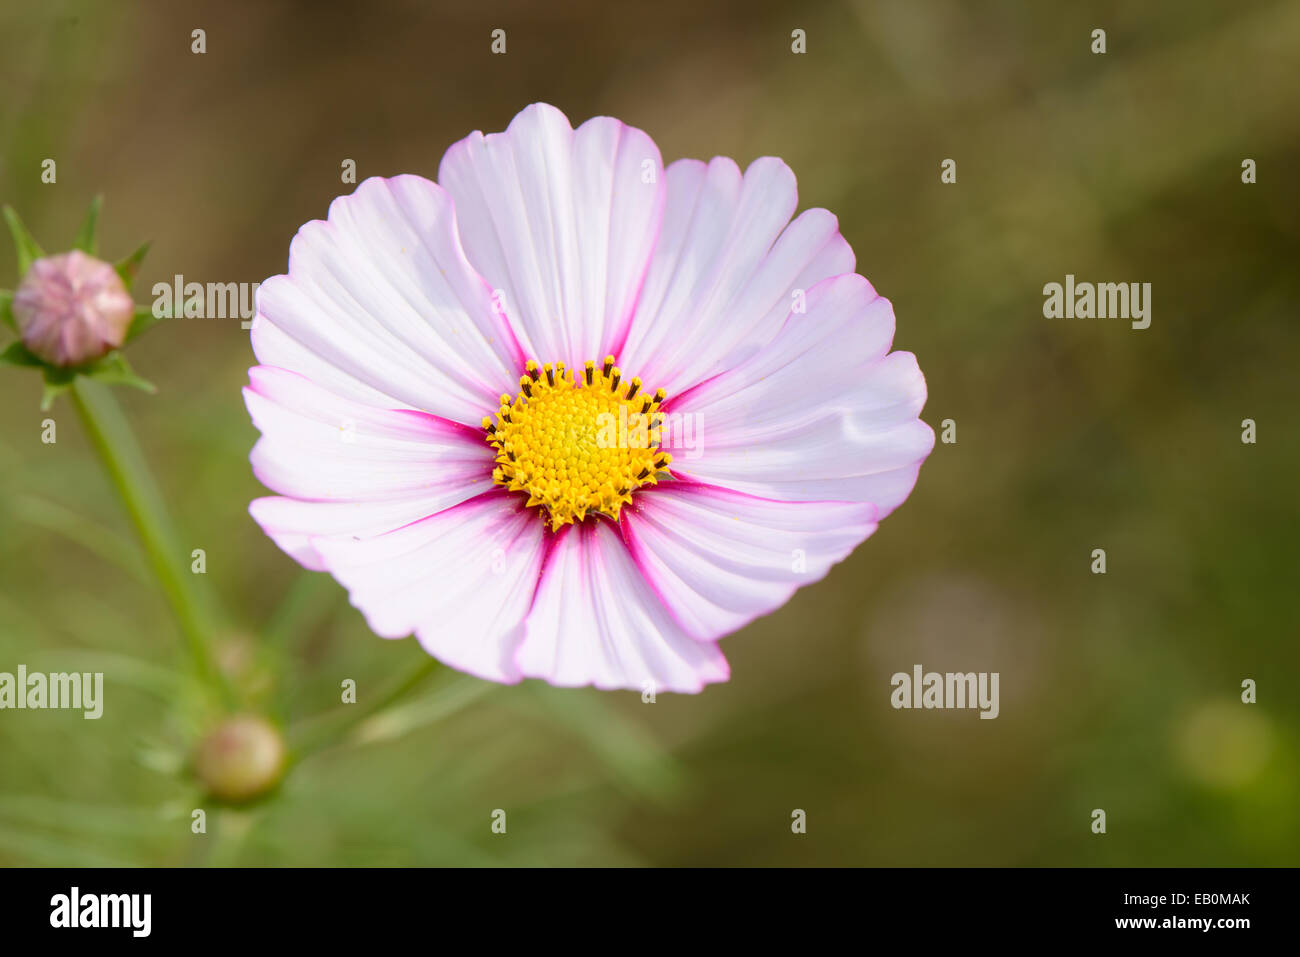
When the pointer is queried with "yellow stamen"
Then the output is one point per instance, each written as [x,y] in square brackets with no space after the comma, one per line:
[577,443]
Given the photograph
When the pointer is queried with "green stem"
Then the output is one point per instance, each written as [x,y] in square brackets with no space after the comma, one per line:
[111,435]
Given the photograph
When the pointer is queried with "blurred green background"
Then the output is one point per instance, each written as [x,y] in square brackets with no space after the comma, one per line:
[1118,692]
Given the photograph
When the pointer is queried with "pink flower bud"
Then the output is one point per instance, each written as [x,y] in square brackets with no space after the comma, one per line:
[72,308]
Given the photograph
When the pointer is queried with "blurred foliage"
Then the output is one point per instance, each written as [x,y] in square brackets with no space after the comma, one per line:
[1118,691]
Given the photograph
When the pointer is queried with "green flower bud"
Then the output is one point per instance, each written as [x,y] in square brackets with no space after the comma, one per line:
[242,758]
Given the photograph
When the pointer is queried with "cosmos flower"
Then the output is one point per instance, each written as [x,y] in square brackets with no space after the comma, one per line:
[570,415]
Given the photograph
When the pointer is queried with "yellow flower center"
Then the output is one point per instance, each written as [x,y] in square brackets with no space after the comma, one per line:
[577,442]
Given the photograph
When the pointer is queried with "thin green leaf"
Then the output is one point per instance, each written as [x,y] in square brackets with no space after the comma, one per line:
[91,535]
[27,247]
[310,598]
[404,718]
[144,676]
[328,728]
[85,240]
[35,848]
[624,746]
[128,267]
[83,817]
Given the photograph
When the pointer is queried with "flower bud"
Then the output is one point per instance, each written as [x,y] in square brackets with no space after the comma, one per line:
[72,308]
[241,759]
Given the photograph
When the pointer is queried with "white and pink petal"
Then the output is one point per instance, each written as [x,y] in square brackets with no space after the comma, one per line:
[823,412]
[718,559]
[461,581]
[350,469]
[595,620]
[562,223]
[728,266]
[382,296]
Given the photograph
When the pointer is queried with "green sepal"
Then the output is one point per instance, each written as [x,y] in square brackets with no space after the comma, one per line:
[7,309]
[113,369]
[85,240]
[28,249]
[141,322]
[57,381]
[17,354]
[128,267]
